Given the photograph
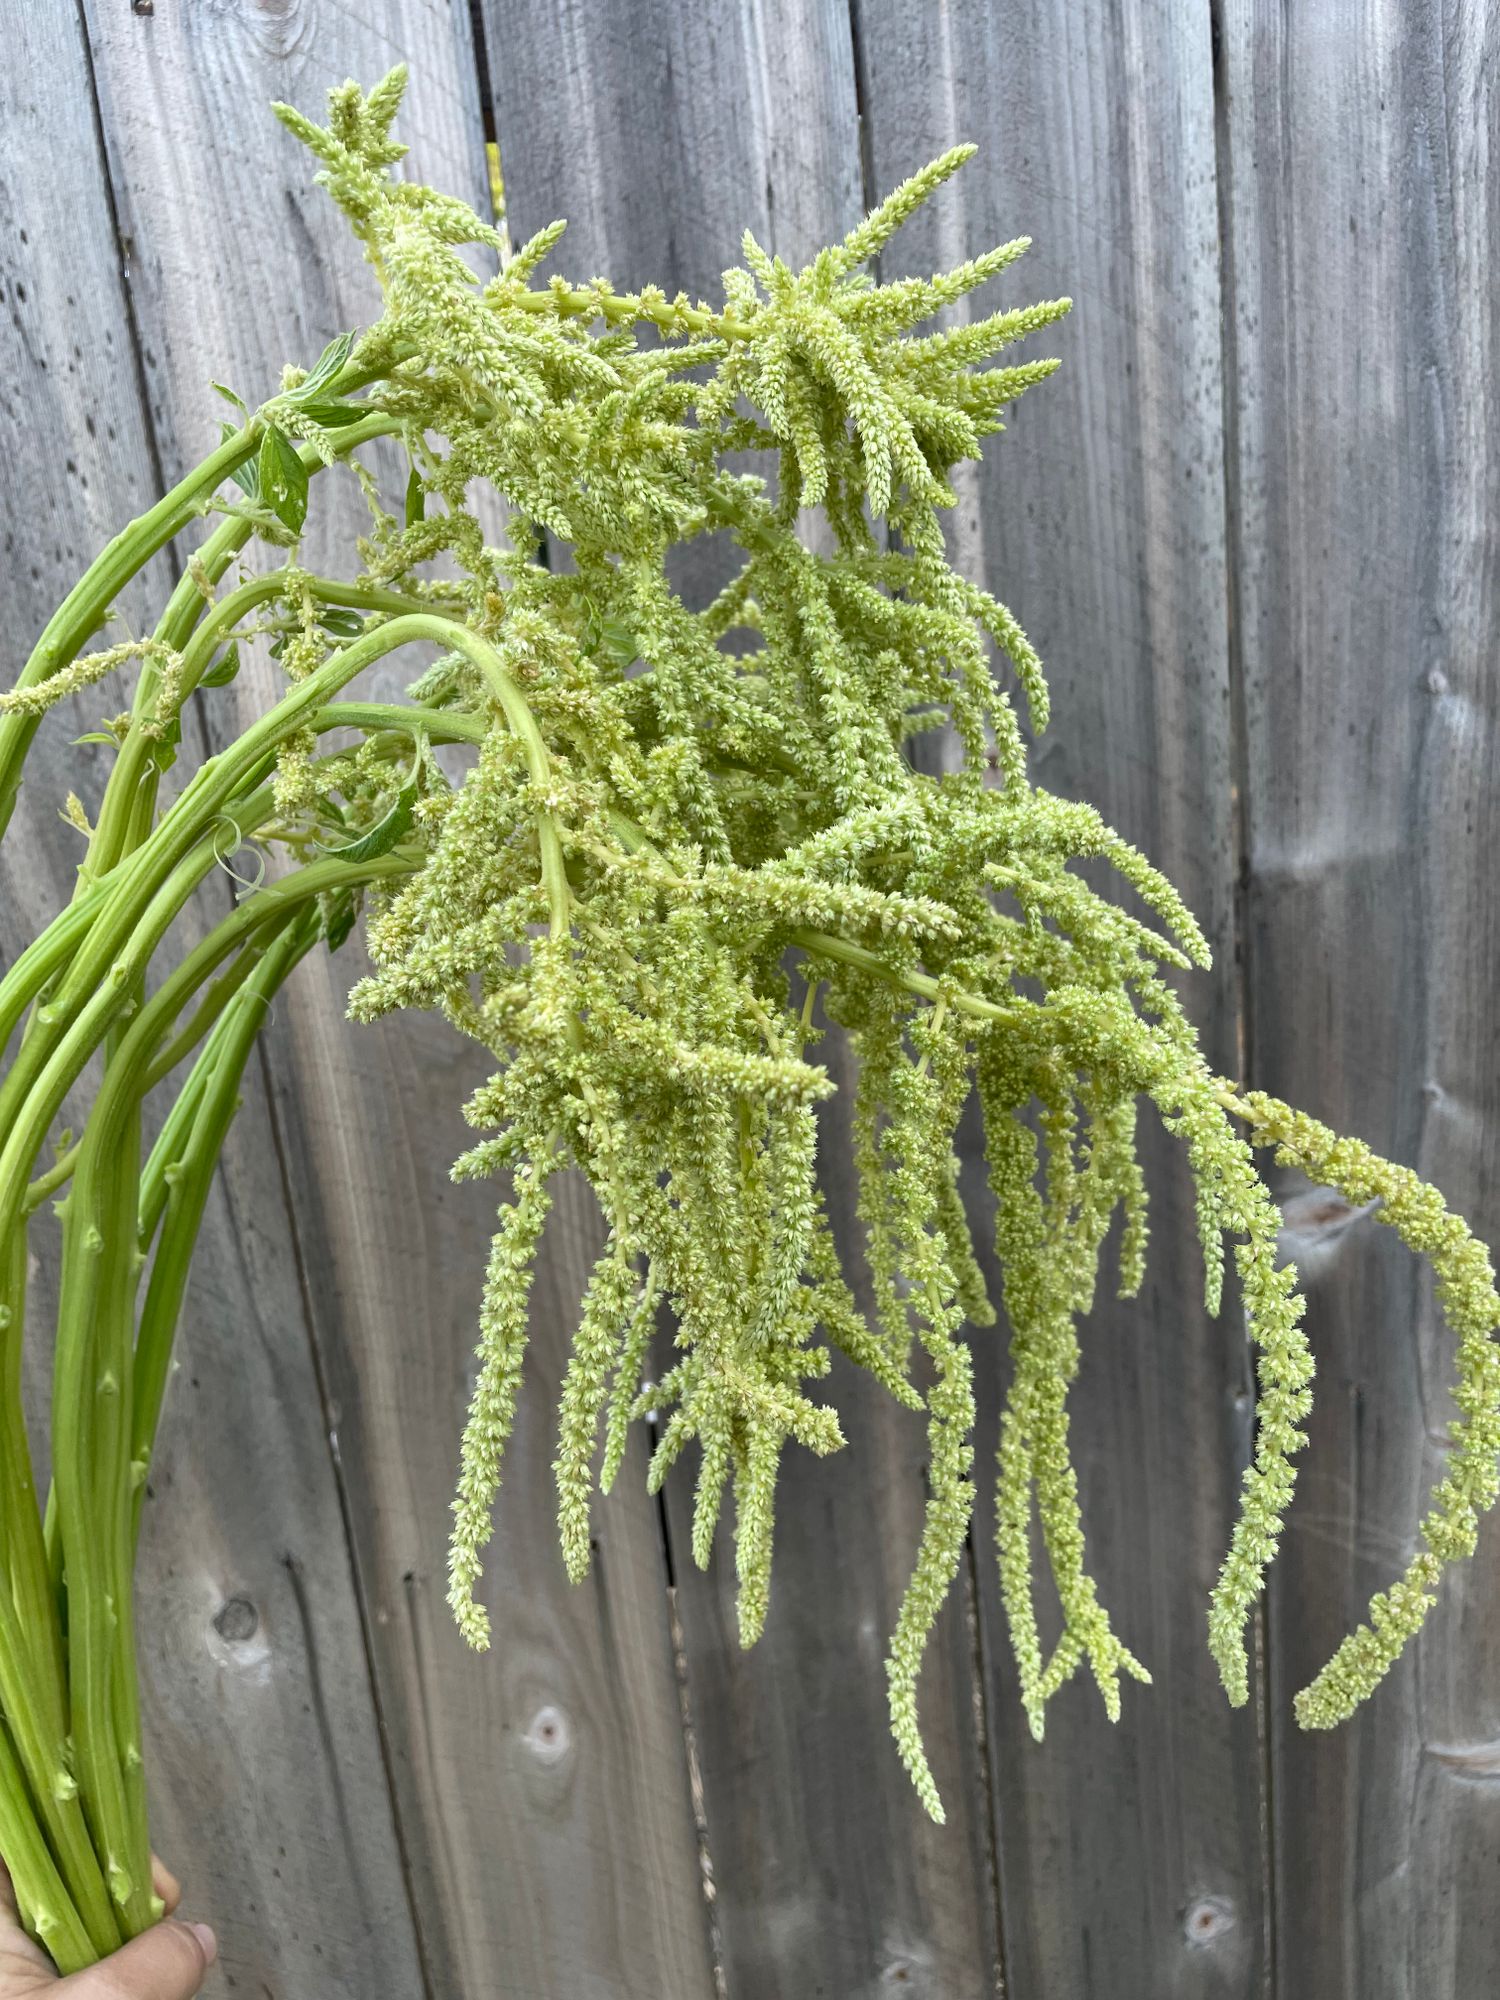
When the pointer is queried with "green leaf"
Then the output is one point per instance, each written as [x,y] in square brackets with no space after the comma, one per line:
[246,476]
[283,480]
[616,644]
[229,395]
[339,913]
[323,370]
[416,499]
[222,672]
[333,415]
[99,736]
[343,624]
[385,833]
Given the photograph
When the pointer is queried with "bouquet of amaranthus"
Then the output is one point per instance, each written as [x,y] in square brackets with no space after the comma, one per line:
[687,840]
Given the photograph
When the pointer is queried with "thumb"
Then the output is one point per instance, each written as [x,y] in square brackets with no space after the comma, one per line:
[168,1962]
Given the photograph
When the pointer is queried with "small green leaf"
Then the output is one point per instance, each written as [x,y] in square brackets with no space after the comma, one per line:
[616,644]
[228,395]
[385,833]
[283,480]
[99,736]
[222,672]
[323,370]
[333,415]
[416,499]
[343,624]
[246,476]
[339,913]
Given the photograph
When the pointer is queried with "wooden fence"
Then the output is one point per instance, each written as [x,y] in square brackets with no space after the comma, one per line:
[1250,527]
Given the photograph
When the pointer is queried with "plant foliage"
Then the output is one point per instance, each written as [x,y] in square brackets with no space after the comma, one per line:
[689,839]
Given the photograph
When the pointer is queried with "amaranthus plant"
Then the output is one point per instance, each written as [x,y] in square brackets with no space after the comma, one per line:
[687,839]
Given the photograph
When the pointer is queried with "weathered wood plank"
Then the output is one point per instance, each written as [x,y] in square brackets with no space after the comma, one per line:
[256,1691]
[662,133]
[1131,1859]
[1364,234]
[605,113]
[541,1792]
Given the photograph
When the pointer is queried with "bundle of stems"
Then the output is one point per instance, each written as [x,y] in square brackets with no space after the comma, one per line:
[661,804]
[72,1801]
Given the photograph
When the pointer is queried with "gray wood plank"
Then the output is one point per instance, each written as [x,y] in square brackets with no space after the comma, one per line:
[1131,1859]
[542,1790]
[263,1750]
[605,113]
[662,133]
[1364,227]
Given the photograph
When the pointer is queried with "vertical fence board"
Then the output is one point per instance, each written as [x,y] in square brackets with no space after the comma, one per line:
[541,1792]
[261,1735]
[662,134]
[1130,1859]
[1364,232]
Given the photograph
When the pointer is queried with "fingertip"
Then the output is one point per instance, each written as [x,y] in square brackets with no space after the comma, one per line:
[204,1934]
[167,1962]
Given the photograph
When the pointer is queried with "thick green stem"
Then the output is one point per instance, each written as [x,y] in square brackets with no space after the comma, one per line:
[86,605]
[32,1692]
[133,781]
[217,995]
[113,1498]
[42,960]
[83,980]
[70,1026]
[217,781]
[83,1468]
[380,719]
[91,968]
[51,1058]
[156,1181]
[47,1909]
[25,1560]
[187,1177]
[93,1411]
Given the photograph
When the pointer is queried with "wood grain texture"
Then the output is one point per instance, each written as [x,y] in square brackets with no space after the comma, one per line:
[541,1792]
[1130,1859]
[268,1789]
[1303,317]
[1365,204]
[663,133]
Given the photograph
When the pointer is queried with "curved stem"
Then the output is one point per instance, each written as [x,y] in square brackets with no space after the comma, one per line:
[94,1404]
[50,953]
[84,608]
[160,1172]
[187,1178]
[438,725]
[216,782]
[136,770]
[96,961]
[51,1058]
[42,960]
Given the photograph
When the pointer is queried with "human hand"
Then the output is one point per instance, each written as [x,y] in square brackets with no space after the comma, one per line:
[168,1962]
